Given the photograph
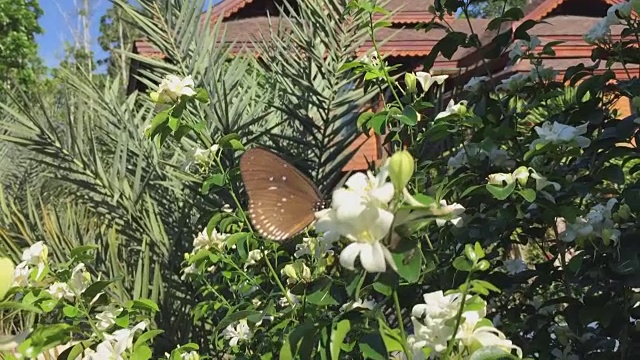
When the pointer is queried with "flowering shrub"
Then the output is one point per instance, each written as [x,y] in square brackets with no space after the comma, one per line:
[72,311]
[502,226]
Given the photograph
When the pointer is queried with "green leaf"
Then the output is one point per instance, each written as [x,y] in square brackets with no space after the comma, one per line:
[500,192]
[202,95]
[462,264]
[409,116]
[234,316]
[174,123]
[527,194]
[158,121]
[145,337]
[144,304]
[377,122]
[289,349]
[236,144]
[611,173]
[338,333]
[95,288]
[470,253]
[372,346]
[235,238]
[408,264]
[382,24]
[321,292]
[477,248]
[81,251]
[364,118]
[141,353]
[350,65]
[225,141]
[215,179]
[70,311]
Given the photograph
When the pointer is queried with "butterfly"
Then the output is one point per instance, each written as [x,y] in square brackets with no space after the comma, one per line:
[282,200]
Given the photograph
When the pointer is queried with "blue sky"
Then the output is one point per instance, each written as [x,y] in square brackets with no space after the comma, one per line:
[60,17]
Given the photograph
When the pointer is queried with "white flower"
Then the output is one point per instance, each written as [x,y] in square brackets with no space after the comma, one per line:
[515,266]
[363,192]
[453,211]
[426,80]
[568,232]
[359,214]
[107,317]
[80,279]
[35,254]
[561,134]
[236,333]
[173,87]
[253,257]
[623,10]
[461,158]
[475,83]
[542,182]
[358,304]
[284,301]
[120,341]
[500,179]
[21,275]
[314,247]
[437,305]
[373,255]
[514,83]
[191,269]
[520,47]
[191,355]
[500,157]
[453,109]
[598,32]
[206,241]
[474,337]
[60,290]
[104,350]
[204,155]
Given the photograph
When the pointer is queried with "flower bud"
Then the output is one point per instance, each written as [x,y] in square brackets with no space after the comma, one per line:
[624,212]
[500,179]
[290,271]
[306,273]
[401,168]
[410,82]
[155,96]
[522,175]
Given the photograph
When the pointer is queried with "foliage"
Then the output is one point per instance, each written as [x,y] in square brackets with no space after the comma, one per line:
[117,34]
[19,61]
[420,258]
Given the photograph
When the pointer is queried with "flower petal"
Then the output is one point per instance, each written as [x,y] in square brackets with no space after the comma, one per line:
[372,258]
[349,255]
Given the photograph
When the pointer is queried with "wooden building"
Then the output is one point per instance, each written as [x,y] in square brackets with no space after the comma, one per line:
[566,21]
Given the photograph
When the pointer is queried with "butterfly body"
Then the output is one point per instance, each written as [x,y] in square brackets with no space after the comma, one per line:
[282,200]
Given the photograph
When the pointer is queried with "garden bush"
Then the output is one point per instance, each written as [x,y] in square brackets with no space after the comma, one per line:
[502,225]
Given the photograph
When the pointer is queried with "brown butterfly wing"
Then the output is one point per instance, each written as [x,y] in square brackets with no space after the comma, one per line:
[281,199]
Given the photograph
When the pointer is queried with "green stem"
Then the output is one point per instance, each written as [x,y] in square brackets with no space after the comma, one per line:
[458,316]
[384,68]
[278,282]
[403,333]
[360,282]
